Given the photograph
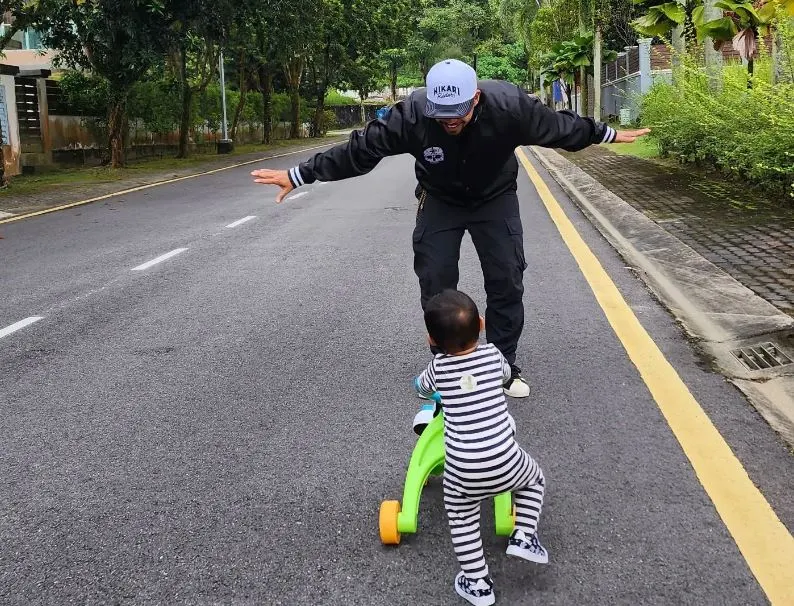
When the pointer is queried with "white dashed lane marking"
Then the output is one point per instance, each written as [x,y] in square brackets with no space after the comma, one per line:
[159,259]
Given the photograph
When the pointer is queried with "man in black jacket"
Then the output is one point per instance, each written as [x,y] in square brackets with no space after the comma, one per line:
[463,134]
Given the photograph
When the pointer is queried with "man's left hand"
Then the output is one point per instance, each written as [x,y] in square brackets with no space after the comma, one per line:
[629,136]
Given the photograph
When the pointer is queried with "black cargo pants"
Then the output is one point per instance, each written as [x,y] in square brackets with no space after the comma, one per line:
[497,234]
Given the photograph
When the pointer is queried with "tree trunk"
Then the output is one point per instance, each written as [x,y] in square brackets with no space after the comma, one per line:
[713,58]
[393,82]
[679,43]
[243,94]
[238,112]
[325,78]
[295,104]
[187,103]
[750,73]
[585,101]
[318,115]
[293,71]
[116,131]
[597,73]
[266,80]
[184,127]
[574,102]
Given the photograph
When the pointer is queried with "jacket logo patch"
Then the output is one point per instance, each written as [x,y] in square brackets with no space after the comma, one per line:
[434,155]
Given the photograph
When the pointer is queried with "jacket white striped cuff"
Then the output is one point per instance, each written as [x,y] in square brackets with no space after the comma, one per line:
[609,134]
[295,177]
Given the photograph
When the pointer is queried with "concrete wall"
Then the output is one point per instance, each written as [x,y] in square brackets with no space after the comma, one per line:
[11,148]
[618,94]
[70,132]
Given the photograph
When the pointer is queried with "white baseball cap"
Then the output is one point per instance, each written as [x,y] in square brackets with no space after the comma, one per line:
[451,86]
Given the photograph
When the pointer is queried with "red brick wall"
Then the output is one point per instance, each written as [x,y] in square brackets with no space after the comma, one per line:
[661,54]
[634,60]
[660,57]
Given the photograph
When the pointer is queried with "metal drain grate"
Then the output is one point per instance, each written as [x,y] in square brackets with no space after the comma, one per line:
[761,356]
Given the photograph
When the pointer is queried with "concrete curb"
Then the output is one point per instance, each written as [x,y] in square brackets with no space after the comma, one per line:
[713,308]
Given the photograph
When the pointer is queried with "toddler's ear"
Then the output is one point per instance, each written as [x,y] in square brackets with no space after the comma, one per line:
[482,324]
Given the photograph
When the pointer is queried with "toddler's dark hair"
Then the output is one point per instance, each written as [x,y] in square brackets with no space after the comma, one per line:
[452,320]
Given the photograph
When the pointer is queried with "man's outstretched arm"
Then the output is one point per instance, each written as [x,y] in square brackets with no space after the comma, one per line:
[564,129]
[362,152]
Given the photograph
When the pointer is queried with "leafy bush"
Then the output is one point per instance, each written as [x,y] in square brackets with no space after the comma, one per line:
[84,95]
[334,97]
[746,132]
[329,122]
[158,103]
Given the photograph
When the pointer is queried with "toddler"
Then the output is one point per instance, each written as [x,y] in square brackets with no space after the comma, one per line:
[482,457]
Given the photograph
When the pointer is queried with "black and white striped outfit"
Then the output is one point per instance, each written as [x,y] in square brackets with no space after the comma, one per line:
[482,457]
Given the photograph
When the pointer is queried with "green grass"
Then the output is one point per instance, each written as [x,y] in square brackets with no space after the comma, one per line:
[23,185]
[643,147]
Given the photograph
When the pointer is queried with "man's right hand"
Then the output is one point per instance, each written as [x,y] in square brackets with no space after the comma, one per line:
[274,177]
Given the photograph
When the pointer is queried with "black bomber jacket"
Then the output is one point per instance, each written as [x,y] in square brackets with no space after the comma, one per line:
[466,169]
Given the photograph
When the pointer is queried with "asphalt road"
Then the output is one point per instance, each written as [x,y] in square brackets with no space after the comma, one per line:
[221,427]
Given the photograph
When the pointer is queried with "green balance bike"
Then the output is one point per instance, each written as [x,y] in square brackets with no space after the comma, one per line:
[428,459]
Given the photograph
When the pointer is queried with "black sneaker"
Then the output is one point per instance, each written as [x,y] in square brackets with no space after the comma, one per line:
[516,387]
[527,547]
[475,591]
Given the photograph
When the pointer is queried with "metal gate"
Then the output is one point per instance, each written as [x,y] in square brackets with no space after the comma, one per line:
[28,115]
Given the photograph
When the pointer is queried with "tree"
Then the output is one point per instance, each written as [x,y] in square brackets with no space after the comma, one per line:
[567,58]
[393,59]
[661,18]
[118,40]
[293,53]
[197,30]
[196,60]
[424,42]
[265,35]
[553,22]
[742,23]
[503,61]
[327,53]
[517,15]
[450,29]
[361,75]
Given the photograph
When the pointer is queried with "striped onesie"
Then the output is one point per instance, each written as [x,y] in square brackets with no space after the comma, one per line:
[482,457]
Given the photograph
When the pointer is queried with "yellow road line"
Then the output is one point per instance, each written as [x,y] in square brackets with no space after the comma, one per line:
[763,540]
[147,186]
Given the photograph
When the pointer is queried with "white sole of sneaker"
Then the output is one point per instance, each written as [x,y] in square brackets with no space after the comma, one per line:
[528,556]
[476,601]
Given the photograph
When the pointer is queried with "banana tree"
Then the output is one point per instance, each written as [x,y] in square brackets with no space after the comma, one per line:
[583,54]
[555,66]
[742,23]
[566,58]
[663,17]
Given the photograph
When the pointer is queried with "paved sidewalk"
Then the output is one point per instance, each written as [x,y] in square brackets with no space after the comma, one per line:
[743,233]
[720,257]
